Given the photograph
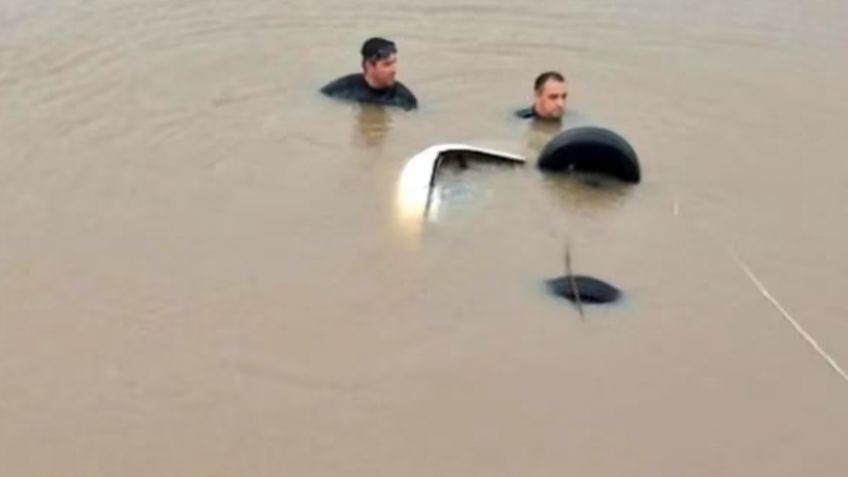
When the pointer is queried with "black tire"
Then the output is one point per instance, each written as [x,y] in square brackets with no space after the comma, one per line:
[591,290]
[591,149]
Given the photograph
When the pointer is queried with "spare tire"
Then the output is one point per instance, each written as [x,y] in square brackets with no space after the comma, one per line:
[591,149]
[583,288]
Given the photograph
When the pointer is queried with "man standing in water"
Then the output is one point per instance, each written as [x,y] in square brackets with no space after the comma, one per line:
[376,84]
[550,92]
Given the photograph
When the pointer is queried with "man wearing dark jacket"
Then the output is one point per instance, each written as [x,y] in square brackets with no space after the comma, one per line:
[376,84]
[550,91]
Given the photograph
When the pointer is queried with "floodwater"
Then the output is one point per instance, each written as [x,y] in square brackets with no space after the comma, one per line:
[206,268]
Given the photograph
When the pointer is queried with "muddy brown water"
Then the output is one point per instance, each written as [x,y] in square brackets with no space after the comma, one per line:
[206,268]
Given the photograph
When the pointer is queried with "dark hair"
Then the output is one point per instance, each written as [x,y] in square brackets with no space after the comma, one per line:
[377,49]
[544,77]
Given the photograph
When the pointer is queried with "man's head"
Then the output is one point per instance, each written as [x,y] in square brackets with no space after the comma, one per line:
[379,62]
[551,92]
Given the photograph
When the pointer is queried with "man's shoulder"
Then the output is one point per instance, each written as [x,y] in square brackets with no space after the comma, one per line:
[343,85]
[404,96]
[526,113]
[354,87]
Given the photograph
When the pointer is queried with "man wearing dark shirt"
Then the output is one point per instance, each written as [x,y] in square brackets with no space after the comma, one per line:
[376,84]
[550,92]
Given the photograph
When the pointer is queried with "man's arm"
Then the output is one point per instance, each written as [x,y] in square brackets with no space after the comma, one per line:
[339,87]
[406,99]
[526,113]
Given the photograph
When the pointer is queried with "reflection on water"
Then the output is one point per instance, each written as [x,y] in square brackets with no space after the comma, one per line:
[589,193]
[373,123]
[540,131]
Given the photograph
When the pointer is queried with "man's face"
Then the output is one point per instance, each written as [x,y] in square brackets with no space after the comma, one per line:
[550,99]
[381,73]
